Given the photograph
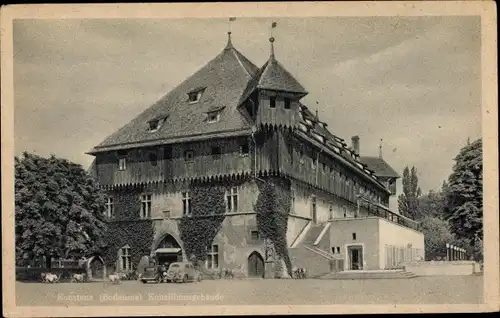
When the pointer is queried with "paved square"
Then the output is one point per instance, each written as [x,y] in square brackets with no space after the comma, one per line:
[420,290]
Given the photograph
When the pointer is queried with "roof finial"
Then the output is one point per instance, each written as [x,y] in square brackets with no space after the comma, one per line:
[229,43]
[380,150]
[317,117]
[271,39]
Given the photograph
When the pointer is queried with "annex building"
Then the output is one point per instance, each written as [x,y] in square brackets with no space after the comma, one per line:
[185,176]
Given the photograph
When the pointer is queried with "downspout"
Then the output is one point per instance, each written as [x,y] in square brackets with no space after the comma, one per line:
[254,130]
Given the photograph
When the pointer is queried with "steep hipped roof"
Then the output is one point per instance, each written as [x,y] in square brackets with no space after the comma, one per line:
[381,168]
[224,80]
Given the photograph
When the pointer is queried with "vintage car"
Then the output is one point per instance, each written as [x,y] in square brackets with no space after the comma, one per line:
[156,274]
[183,272]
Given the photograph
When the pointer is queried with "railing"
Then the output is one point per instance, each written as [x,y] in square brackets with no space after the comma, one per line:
[376,209]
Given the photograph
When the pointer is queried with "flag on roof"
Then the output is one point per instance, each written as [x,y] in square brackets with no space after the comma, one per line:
[232,18]
[273,25]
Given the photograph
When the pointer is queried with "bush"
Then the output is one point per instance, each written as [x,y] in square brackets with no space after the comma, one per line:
[33,274]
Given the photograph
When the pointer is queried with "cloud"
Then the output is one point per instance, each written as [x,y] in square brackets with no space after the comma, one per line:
[412,81]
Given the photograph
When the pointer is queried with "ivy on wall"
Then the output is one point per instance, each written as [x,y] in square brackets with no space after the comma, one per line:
[272,208]
[126,228]
[208,206]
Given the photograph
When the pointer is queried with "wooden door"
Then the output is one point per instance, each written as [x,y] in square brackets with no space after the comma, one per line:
[255,265]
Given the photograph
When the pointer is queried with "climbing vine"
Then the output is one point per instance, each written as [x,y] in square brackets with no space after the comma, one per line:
[272,208]
[199,229]
[126,228]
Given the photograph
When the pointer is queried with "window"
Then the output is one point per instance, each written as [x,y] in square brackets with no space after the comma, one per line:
[213,257]
[213,117]
[333,249]
[215,152]
[313,162]
[186,203]
[354,236]
[301,156]
[244,148]
[154,125]
[122,164]
[109,208]
[255,235]
[338,249]
[166,214]
[126,259]
[145,206]
[232,199]
[272,102]
[330,211]
[188,155]
[153,159]
[292,206]
[167,152]
[287,103]
[194,96]
[345,211]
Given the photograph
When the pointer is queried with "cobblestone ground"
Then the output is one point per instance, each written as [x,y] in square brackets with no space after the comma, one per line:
[420,290]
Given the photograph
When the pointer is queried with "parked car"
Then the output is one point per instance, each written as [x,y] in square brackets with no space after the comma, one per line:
[183,272]
[156,274]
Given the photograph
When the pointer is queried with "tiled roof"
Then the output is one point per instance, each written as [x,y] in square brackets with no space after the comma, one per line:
[381,168]
[224,80]
[275,77]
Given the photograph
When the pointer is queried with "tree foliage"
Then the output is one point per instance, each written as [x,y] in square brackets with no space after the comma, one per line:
[58,209]
[431,204]
[464,195]
[408,200]
[436,235]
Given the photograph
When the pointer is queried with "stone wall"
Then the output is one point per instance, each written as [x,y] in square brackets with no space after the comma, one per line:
[442,268]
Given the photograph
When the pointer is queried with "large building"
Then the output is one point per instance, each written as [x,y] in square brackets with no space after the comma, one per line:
[187,176]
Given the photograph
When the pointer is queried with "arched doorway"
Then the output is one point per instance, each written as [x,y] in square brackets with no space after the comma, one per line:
[96,269]
[255,265]
[168,251]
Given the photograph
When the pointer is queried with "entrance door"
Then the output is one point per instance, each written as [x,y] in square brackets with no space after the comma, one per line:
[97,269]
[355,257]
[255,265]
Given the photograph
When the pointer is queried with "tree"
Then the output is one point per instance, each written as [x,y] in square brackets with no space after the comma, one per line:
[58,209]
[408,200]
[431,204]
[464,194]
[436,235]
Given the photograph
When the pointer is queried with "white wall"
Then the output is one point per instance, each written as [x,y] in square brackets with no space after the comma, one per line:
[396,235]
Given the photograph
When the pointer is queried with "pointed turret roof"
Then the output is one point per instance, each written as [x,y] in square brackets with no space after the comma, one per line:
[273,76]
[221,81]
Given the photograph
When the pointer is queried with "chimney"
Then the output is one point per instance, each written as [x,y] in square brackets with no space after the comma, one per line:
[355,144]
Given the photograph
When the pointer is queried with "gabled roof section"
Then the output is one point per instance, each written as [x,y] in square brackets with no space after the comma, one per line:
[380,167]
[224,80]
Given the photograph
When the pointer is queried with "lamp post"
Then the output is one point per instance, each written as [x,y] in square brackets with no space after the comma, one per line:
[447,251]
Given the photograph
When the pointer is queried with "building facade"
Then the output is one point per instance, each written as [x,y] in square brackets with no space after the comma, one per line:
[185,176]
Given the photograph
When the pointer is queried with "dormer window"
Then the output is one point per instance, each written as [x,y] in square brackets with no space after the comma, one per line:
[213,114]
[244,148]
[212,117]
[155,123]
[272,102]
[194,96]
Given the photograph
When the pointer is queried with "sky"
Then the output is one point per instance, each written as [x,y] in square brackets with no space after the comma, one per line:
[413,82]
